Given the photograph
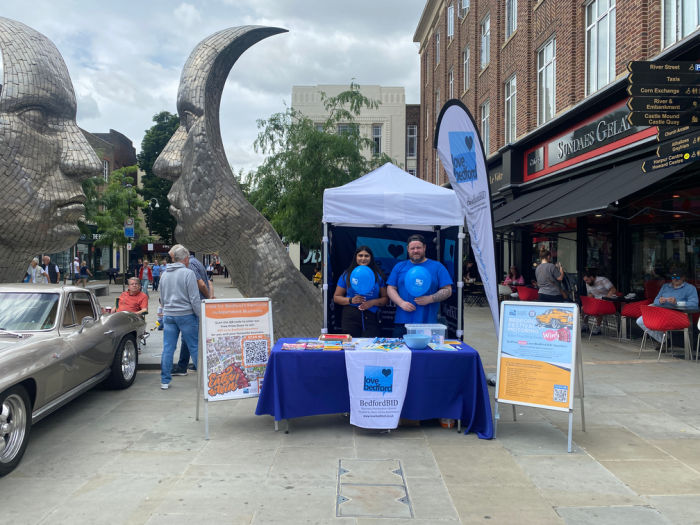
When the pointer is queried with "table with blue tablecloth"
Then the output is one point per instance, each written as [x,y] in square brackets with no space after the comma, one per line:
[441,384]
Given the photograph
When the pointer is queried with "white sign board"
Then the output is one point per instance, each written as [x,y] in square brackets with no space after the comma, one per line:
[236,344]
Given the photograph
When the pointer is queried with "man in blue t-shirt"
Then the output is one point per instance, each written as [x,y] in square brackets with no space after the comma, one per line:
[417,310]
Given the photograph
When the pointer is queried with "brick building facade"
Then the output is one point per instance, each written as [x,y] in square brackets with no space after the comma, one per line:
[546,83]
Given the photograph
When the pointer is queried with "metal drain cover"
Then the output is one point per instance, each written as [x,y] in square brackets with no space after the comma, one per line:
[372,488]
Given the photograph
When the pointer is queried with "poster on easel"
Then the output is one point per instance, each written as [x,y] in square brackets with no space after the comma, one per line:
[538,356]
[236,344]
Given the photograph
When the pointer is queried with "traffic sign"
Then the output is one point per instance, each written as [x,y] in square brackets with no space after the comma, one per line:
[679,145]
[660,90]
[664,118]
[654,78]
[129,232]
[128,222]
[676,159]
[663,67]
[662,103]
[672,132]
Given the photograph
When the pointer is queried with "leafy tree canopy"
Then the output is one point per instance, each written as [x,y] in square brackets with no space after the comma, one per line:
[119,200]
[305,158]
[159,219]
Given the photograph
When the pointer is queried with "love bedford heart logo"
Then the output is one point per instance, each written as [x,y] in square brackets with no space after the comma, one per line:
[395,250]
[469,141]
[386,372]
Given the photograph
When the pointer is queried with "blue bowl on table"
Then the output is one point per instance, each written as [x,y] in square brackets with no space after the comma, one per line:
[416,341]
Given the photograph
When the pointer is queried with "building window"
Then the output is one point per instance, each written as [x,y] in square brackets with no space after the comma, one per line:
[485,41]
[427,122]
[681,17]
[600,44]
[450,22]
[485,125]
[412,172]
[437,48]
[466,61]
[343,129]
[437,103]
[318,126]
[411,141]
[437,170]
[451,82]
[377,139]
[511,17]
[546,81]
[510,116]
[465,6]
[105,170]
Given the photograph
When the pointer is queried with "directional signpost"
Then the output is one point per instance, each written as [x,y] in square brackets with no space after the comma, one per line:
[667,95]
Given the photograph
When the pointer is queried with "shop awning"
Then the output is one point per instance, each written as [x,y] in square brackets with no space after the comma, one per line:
[580,196]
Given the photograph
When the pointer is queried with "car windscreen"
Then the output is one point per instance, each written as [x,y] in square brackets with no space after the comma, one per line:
[28,311]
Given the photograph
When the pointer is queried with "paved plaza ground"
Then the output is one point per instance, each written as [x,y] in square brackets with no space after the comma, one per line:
[139,456]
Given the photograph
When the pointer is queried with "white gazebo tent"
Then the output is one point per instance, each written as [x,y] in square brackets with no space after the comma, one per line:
[389,197]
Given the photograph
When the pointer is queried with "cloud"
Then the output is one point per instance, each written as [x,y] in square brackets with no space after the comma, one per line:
[125,58]
[187,14]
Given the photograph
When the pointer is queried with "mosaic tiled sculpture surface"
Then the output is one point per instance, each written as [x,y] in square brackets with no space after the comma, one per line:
[43,155]
[212,213]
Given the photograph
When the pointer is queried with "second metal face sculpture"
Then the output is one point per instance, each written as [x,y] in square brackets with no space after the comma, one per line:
[43,155]
[211,211]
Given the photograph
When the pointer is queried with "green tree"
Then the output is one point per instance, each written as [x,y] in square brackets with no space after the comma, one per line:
[304,159]
[119,200]
[159,219]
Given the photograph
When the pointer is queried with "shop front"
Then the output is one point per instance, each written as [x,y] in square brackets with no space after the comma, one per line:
[582,187]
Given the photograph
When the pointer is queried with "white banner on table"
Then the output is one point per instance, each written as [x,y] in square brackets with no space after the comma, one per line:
[236,344]
[377,383]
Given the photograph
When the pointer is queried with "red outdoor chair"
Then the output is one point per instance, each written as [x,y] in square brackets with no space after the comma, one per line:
[651,288]
[525,293]
[598,307]
[662,320]
[633,311]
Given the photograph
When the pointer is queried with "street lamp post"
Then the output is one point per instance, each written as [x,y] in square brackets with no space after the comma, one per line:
[151,205]
[128,214]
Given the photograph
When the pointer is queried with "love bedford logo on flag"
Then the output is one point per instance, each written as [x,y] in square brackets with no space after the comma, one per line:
[379,379]
[463,156]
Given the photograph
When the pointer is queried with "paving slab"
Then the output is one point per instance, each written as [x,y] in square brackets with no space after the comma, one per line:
[633,515]
[139,456]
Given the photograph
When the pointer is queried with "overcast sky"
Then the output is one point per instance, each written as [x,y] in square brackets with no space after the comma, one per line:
[125,58]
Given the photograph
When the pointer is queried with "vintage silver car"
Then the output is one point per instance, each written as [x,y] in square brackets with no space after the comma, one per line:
[55,343]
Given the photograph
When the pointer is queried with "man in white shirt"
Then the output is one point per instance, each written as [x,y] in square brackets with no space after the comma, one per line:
[76,270]
[598,287]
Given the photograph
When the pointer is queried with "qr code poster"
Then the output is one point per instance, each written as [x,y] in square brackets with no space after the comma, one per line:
[237,339]
[536,354]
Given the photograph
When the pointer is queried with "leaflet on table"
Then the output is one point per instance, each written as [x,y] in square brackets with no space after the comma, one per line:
[538,332]
[442,346]
[386,344]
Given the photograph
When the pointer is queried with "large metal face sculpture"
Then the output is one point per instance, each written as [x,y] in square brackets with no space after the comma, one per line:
[212,213]
[43,155]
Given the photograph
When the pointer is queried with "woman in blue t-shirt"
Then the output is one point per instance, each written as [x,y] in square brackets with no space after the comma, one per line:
[359,317]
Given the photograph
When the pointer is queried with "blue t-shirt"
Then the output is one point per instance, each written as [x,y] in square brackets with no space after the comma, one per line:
[373,294]
[199,271]
[156,270]
[439,277]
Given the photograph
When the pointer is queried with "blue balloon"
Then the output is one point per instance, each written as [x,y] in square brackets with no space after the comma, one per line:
[362,280]
[417,281]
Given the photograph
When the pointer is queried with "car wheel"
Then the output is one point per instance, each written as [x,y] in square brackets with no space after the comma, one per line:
[15,422]
[124,364]
[555,323]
